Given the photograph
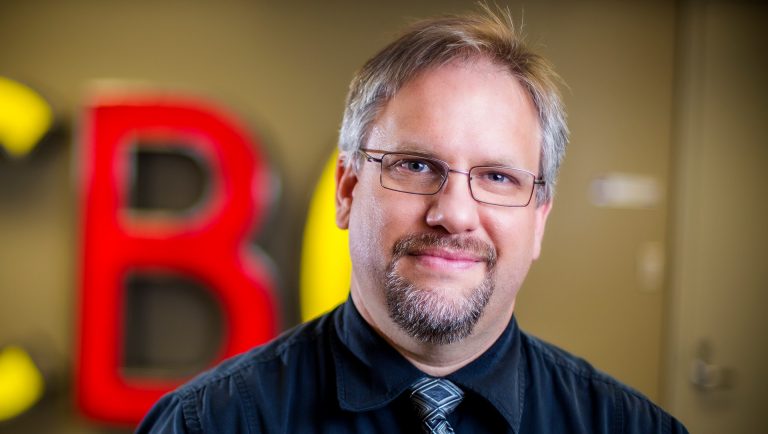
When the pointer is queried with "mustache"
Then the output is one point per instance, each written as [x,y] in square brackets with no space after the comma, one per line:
[416,243]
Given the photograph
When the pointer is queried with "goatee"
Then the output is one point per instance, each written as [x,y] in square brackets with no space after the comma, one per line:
[428,314]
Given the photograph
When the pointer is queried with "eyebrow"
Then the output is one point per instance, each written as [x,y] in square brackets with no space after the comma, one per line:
[418,150]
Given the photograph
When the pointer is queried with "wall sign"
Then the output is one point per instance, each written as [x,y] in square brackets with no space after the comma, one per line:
[25,117]
[207,245]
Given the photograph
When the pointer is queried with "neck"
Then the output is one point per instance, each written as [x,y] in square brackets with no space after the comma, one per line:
[437,360]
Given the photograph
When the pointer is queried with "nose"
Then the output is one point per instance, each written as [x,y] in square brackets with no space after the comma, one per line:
[453,208]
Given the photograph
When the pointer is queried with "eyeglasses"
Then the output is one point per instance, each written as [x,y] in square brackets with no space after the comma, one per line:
[417,174]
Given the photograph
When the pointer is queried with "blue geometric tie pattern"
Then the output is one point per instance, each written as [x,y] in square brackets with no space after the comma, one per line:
[434,398]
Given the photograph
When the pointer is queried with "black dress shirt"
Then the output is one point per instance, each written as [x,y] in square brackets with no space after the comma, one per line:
[337,375]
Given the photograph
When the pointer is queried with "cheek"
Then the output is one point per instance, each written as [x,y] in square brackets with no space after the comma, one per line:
[514,238]
[514,260]
[378,220]
[368,231]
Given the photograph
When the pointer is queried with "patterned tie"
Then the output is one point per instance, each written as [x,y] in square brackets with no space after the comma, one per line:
[434,398]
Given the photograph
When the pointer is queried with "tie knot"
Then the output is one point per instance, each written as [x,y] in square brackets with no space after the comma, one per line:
[434,398]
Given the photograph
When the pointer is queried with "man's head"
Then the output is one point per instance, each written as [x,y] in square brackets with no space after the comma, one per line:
[434,42]
[459,125]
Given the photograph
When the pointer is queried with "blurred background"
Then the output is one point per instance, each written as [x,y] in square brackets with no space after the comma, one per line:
[654,263]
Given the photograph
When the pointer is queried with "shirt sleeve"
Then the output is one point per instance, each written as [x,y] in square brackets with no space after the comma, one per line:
[677,427]
[168,416]
[640,416]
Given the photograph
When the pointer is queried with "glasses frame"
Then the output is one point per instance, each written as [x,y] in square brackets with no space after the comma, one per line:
[447,170]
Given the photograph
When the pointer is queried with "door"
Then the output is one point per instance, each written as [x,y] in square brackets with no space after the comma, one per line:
[718,353]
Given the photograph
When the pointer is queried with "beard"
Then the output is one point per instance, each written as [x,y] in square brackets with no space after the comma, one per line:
[431,315]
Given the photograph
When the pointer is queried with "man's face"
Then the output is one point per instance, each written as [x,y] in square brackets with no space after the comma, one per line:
[440,267]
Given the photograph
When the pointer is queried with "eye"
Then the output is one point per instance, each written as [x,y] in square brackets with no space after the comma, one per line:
[500,178]
[412,165]
[417,166]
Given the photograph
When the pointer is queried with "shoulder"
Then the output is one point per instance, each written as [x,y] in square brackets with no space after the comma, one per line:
[545,357]
[231,395]
[577,385]
[281,353]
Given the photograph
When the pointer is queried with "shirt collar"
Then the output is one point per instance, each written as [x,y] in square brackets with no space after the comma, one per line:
[499,375]
[370,373]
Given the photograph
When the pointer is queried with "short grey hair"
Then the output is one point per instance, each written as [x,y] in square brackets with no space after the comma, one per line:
[434,42]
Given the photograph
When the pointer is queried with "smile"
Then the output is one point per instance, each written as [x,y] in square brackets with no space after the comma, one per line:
[446,259]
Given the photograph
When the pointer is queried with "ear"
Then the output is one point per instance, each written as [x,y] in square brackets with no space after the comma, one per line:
[541,214]
[346,179]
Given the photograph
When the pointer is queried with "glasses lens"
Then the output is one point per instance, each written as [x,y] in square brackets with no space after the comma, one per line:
[411,173]
[501,185]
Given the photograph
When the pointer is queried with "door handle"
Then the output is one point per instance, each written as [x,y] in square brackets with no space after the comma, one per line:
[707,376]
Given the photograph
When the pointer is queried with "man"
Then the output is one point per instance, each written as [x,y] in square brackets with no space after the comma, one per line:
[450,145]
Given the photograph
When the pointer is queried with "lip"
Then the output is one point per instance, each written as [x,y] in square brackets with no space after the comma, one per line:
[451,259]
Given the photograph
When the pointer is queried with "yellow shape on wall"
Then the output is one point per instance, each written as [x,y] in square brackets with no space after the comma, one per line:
[24,117]
[21,383]
[325,263]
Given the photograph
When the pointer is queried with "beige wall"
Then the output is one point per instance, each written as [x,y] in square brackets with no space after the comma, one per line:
[283,67]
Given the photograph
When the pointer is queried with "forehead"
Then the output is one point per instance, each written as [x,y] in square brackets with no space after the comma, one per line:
[470,110]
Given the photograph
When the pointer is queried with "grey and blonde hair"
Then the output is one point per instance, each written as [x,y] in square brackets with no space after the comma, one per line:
[435,42]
